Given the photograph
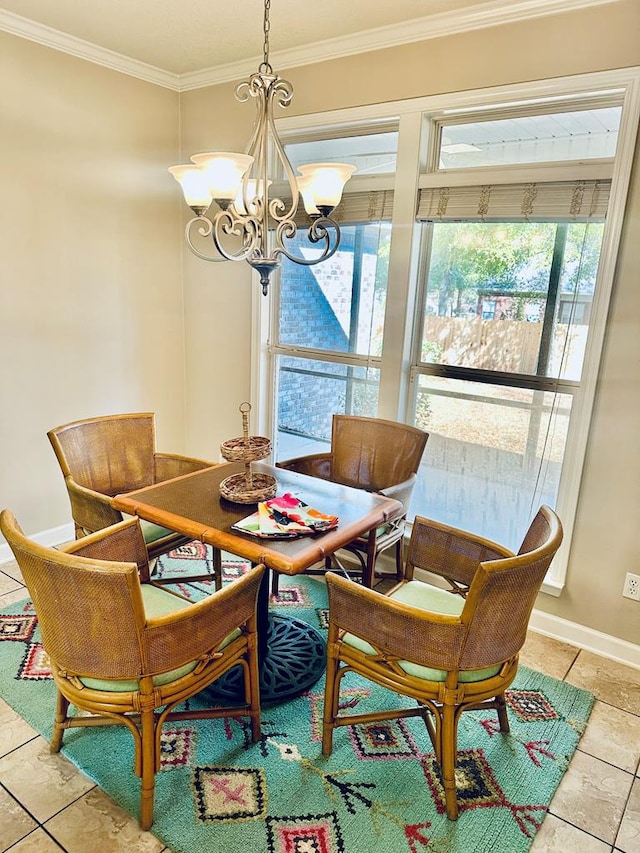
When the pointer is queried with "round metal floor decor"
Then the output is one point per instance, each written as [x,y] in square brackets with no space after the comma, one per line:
[295,659]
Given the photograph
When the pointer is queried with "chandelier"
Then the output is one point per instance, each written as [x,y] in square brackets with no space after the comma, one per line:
[249,225]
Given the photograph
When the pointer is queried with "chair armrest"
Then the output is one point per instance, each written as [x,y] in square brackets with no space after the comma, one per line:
[401,491]
[91,510]
[396,629]
[448,551]
[120,543]
[193,632]
[314,465]
[170,465]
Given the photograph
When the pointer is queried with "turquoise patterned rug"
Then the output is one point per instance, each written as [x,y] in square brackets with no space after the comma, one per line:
[380,790]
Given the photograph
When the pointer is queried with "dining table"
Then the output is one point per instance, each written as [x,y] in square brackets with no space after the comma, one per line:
[292,653]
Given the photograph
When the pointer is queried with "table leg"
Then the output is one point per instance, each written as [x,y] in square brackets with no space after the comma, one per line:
[292,656]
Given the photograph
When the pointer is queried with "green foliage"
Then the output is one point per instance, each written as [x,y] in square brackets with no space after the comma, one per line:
[510,256]
[470,256]
[423,410]
[581,257]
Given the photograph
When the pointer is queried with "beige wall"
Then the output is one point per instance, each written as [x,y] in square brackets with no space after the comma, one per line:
[92,298]
[217,295]
[90,278]
[605,544]
[605,540]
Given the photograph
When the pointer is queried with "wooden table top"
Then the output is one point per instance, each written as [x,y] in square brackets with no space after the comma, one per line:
[192,505]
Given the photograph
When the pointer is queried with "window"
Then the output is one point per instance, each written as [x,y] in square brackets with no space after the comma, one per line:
[502,348]
[510,270]
[328,331]
[510,297]
[372,153]
[531,138]
[330,323]
[469,294]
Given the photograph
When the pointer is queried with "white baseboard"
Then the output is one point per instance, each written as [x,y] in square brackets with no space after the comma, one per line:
[589,639]
[50,538]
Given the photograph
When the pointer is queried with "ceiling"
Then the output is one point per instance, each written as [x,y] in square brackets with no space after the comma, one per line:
[178,38]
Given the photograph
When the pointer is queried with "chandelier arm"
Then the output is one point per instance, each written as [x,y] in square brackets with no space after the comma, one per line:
[318,233]
[261,164]
[223,222]
[252,88]
[267,90]
[231,223]
[284,94]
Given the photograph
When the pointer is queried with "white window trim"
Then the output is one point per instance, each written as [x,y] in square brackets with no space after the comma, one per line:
[597,170]
[394,396]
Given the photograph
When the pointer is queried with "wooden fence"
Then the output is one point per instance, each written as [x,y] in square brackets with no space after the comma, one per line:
[506,345]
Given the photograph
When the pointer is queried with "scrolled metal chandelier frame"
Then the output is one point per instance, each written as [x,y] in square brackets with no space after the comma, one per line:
[248,224]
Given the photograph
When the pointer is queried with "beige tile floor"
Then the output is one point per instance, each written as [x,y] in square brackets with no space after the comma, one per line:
[47,806]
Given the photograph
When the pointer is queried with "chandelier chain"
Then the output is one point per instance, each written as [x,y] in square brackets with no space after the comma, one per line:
[266,67]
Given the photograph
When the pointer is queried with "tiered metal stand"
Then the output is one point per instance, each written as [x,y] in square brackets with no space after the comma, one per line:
[247,488]
[292,653]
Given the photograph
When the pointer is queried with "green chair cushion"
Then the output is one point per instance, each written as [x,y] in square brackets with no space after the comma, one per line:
[383,530]
[152,532]
[157,602]
[435,600]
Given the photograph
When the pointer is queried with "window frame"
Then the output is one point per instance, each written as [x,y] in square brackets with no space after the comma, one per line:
[348,358]
[414,118]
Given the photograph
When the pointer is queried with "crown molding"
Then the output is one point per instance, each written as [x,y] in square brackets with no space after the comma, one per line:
[493,13]
[47,36]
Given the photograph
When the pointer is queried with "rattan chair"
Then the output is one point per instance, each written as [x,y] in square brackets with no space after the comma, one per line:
[376,455]
[449,652]
[129,652]
[114,454]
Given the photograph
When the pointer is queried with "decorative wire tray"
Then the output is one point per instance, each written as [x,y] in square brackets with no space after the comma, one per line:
[248,449]
[247,488]
[236,488]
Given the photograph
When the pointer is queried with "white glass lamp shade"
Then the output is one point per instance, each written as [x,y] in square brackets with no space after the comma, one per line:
[306,191]
[322,184]
[223,173]
[195,190]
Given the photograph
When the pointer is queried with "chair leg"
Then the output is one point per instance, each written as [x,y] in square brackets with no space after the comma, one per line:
[367,571]
[448,760]
[367,574]
[501,707]
[62,706]
[252,688]
[331,699]
[399,560]
[217,568]
[148,774]
[147,569]
[275,582]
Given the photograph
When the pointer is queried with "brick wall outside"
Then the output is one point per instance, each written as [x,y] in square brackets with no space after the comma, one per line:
[315,310]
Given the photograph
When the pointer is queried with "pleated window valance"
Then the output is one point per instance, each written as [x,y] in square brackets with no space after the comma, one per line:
[356,208]
[374,206]
[555,201]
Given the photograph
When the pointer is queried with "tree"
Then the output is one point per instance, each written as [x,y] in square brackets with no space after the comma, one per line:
[473,255]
